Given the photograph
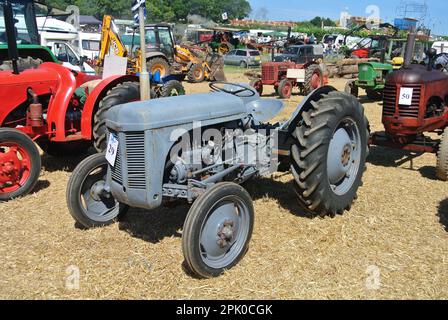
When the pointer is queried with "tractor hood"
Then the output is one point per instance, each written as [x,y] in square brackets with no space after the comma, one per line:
[415,74]
[209,108]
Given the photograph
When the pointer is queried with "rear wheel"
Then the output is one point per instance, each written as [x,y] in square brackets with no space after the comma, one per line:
[122,93]
[285,89]
[20,164]
[243,64]
[160,65]
[313,78]
[257,84]
[196,73]
[442,157]
[329,156]
[87,200]
[217,230]
[172,88]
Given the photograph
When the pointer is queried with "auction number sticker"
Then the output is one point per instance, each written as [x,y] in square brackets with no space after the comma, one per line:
[406,96]
[112,149]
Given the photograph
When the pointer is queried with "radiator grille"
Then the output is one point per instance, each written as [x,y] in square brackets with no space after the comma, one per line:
[268,72]
[391,97]
[117,170]
[135,156]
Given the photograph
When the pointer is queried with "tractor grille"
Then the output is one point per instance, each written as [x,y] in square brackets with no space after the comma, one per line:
[116,170]
[268,72]
[135,156]
[391,98]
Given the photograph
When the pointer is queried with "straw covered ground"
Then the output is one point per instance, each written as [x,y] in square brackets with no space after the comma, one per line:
[392,244]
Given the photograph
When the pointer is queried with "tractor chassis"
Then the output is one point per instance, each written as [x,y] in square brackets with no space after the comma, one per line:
[422,144]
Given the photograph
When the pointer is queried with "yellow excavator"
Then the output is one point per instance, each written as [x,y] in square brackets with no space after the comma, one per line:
[162,56]
[197,68]
[163,81]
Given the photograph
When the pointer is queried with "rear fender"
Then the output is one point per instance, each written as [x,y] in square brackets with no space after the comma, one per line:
[305,105]
[94,98]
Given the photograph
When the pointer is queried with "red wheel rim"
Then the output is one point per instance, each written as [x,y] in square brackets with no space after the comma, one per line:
[258,86]
[316,80]
[15,167]
[286,91]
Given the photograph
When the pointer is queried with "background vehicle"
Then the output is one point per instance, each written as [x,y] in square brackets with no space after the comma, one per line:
[307,74]
[415,103]
[58,108]
[89,45]
[301,54]
[243,58]
[219,224]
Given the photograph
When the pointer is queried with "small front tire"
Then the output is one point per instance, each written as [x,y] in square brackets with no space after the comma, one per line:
[217,230]
[87,201]
[442,157]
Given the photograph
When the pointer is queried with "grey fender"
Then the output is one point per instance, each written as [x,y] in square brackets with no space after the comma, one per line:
[314,96]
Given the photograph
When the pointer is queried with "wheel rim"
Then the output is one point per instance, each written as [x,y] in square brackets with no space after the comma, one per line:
[316,80]
[96,203]
[224,232]
[286,90]
[344,156]
[258,86]
[198,74]
[15,166]
[158,67]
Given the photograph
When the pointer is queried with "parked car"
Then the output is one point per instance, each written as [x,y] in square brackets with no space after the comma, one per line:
[243,58]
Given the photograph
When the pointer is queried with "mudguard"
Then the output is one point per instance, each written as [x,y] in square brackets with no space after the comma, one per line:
[94,98]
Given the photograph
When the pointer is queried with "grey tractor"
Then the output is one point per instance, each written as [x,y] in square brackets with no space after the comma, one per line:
[200,149]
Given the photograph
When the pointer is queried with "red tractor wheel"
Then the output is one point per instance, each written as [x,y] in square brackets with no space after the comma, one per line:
[314,79]
[285,89]
[257,84]
[20,164]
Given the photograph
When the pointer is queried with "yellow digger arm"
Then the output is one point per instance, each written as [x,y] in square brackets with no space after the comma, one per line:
[110,41]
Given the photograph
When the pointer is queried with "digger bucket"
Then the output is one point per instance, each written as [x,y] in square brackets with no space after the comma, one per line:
[216,64]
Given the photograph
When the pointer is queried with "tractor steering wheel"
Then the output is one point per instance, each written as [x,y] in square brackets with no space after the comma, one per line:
[220,86]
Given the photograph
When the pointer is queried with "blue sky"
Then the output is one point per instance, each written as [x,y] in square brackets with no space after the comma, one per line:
[297,10]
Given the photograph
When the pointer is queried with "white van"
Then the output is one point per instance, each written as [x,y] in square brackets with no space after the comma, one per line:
[440,46]
[62,39]
[89,45]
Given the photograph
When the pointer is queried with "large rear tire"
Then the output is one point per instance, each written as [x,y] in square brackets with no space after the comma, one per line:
[329,156]
[314,79]
[158,65]
[217,230]
[122,93]
[87,202]
[442,157]
[20,164]
[172,88]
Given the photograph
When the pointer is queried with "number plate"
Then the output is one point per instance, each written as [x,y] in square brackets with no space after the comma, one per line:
[406,96]
[112,149]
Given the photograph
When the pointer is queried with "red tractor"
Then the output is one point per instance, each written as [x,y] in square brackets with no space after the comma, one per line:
[297,67]
[415,103]
[59,109]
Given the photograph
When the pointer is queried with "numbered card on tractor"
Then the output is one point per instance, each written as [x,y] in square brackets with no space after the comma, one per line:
[112,149]
[406,96]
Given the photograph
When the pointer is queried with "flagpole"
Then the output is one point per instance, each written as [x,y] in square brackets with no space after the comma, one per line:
[144,75]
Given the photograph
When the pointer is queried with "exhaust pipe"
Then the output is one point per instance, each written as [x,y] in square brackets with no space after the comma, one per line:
[409,53]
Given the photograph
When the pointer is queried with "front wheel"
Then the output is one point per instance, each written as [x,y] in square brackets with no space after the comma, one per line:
[217,230]
[329,156]
[20,164]
[442,157]
[285,89]
[257,84]
[87,200]
[172,88]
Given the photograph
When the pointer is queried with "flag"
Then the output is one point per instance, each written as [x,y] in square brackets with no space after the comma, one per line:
[136,4]
[224,16]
